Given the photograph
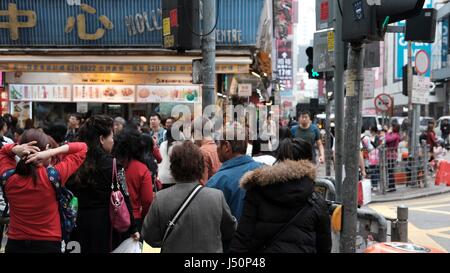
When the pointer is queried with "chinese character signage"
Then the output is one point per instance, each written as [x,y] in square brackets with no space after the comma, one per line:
[119,68]
[118,23]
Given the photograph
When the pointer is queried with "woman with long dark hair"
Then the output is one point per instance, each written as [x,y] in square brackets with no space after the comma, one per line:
[129,149]
[282,212]
[34,214]
[93,184]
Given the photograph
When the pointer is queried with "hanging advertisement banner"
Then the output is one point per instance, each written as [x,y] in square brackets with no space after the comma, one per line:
[283,13]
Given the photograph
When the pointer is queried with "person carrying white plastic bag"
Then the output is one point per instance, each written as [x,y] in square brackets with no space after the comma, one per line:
[129,246]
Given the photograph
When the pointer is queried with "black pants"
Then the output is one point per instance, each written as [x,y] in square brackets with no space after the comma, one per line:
[93,231]
[27,246]
[391,170]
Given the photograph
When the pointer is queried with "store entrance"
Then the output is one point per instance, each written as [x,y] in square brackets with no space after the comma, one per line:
[111,109]
[116,110]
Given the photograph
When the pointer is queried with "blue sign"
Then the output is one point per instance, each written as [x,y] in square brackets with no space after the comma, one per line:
[444,52]
[118,23]
[402,49]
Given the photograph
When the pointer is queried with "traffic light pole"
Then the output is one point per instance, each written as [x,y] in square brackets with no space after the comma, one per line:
[209,53]
[355,85]
[339,103]
[414,117]
[328,151]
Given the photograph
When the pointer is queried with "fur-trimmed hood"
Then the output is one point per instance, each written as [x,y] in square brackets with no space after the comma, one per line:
[282,172]
[287,184]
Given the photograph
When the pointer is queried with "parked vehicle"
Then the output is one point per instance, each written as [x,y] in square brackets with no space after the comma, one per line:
[424,123]
[437,128]
[371,121]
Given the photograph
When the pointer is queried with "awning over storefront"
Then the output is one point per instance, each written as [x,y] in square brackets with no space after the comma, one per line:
[118,64]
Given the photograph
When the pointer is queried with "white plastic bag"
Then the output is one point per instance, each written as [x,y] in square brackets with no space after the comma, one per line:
[129,246]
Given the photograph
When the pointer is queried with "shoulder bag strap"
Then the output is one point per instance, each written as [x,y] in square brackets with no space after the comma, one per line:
[180,211]
[114,175]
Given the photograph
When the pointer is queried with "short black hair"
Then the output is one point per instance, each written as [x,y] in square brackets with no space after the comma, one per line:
[57,131]
[304,112]
[294,149]
[155,115]
[78,116]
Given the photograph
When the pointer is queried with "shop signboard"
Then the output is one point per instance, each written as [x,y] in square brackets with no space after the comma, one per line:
[168,93]
[118,23]
[40,92]
[104,93]
[119,68]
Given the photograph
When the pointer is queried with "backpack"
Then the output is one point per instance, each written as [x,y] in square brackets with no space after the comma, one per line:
[67,202]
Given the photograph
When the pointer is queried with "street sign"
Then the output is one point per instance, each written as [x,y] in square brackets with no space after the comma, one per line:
[330,39]
[245,90]
[323,59]
[369,83]
[383,102]
[324,14]
[422,62]
[421,89]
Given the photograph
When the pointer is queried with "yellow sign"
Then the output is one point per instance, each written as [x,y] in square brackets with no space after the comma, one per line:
[330,37]
[13,23]
[166,26]
[81,24]
[119,68]
[169,41]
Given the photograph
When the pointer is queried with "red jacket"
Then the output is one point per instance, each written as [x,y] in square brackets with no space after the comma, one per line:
[34,213]
[140,188]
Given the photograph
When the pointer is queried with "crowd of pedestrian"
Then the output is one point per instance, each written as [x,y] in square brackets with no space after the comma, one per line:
[177,193]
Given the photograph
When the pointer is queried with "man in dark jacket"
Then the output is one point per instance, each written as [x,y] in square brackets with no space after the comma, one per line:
[282,213]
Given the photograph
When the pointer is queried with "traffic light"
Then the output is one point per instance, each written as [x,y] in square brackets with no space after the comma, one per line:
[364,21]
[405,79]
[312,74]
[181,24]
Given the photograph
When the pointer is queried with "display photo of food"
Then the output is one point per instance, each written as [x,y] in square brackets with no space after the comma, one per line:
[126,92]
[110,92]
[144,93]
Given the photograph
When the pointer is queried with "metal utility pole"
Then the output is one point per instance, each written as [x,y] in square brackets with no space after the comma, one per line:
[209,52]
[328,151]
[355,85]
[414,117]
[339,103]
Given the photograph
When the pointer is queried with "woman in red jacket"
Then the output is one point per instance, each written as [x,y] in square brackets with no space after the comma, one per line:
[34,215]
[130,150]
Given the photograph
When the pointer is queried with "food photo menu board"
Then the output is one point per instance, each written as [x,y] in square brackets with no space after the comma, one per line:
[166,93]
[104,93]
[40,92]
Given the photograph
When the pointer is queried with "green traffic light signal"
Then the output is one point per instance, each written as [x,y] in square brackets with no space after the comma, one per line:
[315,74]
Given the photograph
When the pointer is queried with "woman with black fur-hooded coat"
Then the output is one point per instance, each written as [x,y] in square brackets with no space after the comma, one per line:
[275,194]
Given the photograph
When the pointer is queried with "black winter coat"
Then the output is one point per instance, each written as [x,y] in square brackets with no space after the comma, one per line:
[275,194]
